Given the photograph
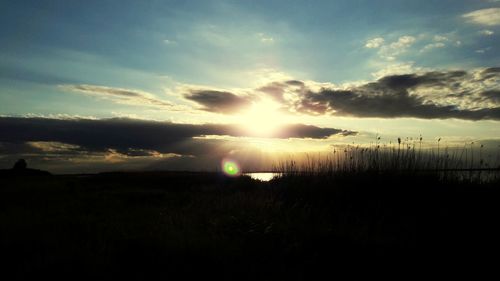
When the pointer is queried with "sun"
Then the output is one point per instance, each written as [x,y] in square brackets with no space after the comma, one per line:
[263,119]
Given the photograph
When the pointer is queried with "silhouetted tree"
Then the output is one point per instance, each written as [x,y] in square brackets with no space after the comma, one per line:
[20,165]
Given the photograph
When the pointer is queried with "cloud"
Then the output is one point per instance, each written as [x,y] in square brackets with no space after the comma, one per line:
[403,42]
[432,46]
[390,51]
[491,72]
[276,90]
[487,17]
[486,32]
[119,95]
[401,91]
[428,95]
[123,134]
[397,104]
[492,95]
[374,43]
[412,95]
[69,145]
[398,68]
[295,83]
[218,101]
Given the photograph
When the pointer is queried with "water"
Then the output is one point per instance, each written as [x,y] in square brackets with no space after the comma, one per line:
[262,176]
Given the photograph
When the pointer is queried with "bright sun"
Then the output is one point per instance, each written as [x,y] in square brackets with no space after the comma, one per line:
[263,119]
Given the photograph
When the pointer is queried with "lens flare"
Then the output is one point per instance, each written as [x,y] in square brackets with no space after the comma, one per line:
[230,168]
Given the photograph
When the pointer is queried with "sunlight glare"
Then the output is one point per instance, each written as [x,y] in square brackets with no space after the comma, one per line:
[263,119]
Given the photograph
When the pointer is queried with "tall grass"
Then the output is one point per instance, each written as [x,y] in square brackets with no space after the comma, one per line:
[467,162]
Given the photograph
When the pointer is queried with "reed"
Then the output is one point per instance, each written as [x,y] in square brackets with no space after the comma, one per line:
[467,163]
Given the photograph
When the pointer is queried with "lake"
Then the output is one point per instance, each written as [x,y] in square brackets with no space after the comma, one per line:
[262,176]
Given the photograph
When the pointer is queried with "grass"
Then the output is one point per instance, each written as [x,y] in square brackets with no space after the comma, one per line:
[406,156]
[362,207]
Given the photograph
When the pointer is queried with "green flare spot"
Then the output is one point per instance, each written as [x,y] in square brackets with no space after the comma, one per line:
[231,168]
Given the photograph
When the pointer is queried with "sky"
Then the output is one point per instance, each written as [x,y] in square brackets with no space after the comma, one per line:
[88,86]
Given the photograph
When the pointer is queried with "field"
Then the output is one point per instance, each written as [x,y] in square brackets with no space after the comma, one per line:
[298,226]
[357,207]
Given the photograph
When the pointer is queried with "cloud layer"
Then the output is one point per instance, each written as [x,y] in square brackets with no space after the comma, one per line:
[468,95]
[124,134]
[440,95]
[69,145]
[119,95]
[488,17]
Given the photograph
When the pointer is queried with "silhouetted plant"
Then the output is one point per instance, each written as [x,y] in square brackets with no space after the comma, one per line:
[447,162]
[20,165]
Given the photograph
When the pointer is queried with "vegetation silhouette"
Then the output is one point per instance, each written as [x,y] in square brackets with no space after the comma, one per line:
[364,207]
[20,165]
[20,169]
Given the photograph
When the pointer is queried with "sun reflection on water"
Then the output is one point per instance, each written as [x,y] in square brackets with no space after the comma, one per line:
[262,176]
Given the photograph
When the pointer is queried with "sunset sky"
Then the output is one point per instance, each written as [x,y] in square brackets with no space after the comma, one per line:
[89,86]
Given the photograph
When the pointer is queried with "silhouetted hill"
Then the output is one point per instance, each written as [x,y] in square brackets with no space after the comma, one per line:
[20,169]
[27,172]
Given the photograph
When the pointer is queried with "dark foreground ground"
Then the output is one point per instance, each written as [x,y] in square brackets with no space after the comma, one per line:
[183,225]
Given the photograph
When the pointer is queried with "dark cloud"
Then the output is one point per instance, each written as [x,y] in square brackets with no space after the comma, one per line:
[405,96]
[83,145]
[429,79]
[295,83]
[493,95]
[390,104]
[275,90]
[431,95]
[129,134]
[492,72]
[218,101]
[309,131]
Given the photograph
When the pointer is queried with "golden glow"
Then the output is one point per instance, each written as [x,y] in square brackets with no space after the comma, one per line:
[263,119]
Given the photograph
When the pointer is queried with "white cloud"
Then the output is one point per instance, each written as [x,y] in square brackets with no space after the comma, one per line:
[403,42]
[396,48]
[374,43]
[398,69]
[488,17]
[433,46]
[486,32]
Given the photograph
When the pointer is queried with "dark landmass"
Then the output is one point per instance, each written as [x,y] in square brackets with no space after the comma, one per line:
[20,169]
[5,173]
[199,225]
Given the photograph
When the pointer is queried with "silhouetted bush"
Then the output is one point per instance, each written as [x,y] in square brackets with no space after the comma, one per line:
[20,165]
